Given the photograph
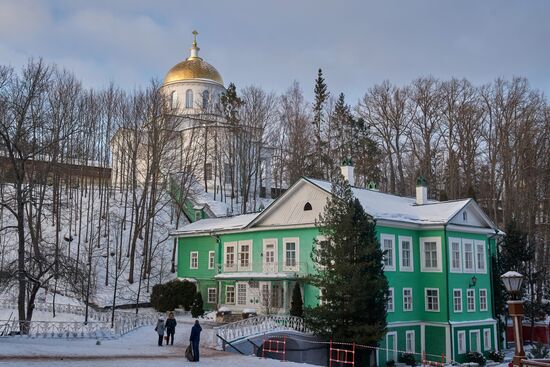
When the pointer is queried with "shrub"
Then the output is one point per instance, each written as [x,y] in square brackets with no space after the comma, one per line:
[390,363]
[197,308]
[408,359]
[476,357]
[496,356]
[539,351]
[169,296]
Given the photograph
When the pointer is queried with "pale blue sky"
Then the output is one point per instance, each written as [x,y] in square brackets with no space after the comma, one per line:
[272,43]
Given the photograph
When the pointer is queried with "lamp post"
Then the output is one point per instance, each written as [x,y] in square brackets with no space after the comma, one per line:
[512,282]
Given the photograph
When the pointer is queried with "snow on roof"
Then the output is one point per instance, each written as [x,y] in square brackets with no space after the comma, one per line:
[402,209]
[216,224]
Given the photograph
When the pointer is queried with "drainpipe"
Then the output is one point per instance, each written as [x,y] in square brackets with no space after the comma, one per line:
[218,266]
[491,277]
[447,285]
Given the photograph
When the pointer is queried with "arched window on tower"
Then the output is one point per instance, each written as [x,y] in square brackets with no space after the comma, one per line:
[307,207]
[205,99]
[173,100]
[189,98]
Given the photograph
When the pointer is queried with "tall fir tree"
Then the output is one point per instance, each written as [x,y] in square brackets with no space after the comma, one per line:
[297,304]
[322,162]
[349,271]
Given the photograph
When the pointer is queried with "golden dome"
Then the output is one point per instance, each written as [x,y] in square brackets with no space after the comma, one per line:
[193,68]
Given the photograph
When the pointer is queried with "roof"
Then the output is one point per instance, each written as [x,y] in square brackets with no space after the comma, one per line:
[216,224]
[402,209]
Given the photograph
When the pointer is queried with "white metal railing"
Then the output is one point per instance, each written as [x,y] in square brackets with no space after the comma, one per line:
[98,326]
[260,324]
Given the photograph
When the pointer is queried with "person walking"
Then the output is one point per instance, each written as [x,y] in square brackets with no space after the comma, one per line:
[170,328]
[195,339]
[160,330]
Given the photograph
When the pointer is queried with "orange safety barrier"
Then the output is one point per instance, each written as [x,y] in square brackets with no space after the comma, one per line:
[339,355]
[426,362]
[275,346]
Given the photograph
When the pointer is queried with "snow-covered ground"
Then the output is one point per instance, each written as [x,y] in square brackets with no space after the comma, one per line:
[136,349]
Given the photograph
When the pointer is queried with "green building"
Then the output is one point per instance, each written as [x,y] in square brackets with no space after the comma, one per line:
[438,265]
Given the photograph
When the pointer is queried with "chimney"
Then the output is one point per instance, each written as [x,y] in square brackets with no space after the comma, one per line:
[347,171]
[421,191]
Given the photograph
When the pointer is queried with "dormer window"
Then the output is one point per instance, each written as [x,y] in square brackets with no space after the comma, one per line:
[307,207]
[464,216]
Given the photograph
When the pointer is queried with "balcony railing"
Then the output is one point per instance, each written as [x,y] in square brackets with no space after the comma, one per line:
[262,267]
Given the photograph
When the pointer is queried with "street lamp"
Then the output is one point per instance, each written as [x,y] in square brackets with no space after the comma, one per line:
[512,281]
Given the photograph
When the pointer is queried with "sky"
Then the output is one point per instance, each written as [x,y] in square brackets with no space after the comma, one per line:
[272,43]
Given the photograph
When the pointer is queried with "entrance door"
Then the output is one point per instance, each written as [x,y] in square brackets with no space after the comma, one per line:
[270,256]
[391,345]
[475,345]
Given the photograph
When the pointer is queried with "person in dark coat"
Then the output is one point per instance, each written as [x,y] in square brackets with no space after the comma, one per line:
[170,328]
[160,330]
[195,339]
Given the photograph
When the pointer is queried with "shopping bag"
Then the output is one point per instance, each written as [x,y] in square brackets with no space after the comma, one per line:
[189,353]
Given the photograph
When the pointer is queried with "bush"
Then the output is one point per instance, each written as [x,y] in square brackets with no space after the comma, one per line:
[539,351]
[408,359]
[197,308]
[476,357]
[171,295]
[495,356]
[390,363]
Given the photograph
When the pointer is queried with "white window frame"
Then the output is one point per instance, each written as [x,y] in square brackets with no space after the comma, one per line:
[274,267]
[211,259]
[426,300]
[247,267]
[477,246]
[412,348]
[391,300]
[227,292]
[391,238]
[465,242]
[472,332]
[208,294]
[461,301]
[321,295]
[411,257]
[483,290]
[232,267]
[452,268]
[239,292]
[393,351]
[411,303]
[487,342]
[470,295]
[461,346]
[191,258]
[295,267]
[423,268]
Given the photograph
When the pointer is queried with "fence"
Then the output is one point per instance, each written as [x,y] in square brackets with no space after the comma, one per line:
[99,324]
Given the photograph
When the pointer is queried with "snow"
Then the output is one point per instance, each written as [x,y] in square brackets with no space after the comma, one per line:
[403,209]
[216,224]
[136,349]
[511,274]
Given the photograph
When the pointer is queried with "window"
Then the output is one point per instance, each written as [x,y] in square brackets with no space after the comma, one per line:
[391,346]
[276,295]
[431,254]
[405,243]
[230,256]
[456,259]
[241,293]
[198,214]
[208,171]
[457,300]
[189,98]
[265,294]
[464,216]
[390,300]
[194,260]
[468,256]
[407,299]
[432,299]
[245,248]
[483,299]
[461,336]
[230,294]
[470,300]
[173,100]
[211,259]
[388,248]
[409,341]
[205,99]
[487,345]
[480,257]
[307,207]
[212,295]
[291,254]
